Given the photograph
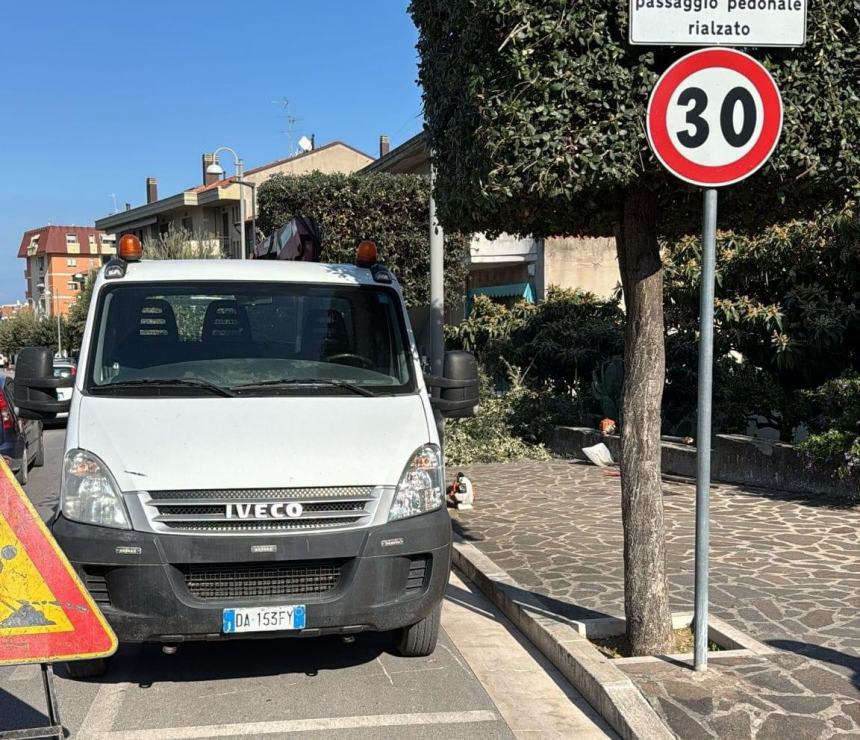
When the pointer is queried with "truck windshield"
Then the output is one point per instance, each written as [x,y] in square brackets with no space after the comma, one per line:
[249,339]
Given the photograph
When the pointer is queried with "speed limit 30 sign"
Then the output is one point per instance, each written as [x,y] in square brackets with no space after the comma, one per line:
[714,117]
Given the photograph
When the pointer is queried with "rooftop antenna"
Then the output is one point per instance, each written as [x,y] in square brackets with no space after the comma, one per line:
[113,195]
[291,123]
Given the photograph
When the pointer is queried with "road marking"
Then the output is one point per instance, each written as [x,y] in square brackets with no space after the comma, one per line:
[387,675]
[103,711]
[513,673]
[317,724]
[23,673]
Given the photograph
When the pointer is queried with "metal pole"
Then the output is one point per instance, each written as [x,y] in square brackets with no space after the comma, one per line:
[241,209]
[59,334]
[50,694]
[437,289]
[703,431]
[253,216]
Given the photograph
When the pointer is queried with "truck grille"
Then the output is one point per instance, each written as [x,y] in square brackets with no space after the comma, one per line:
[96,583]
[416,579]
[245,581]
[267,510]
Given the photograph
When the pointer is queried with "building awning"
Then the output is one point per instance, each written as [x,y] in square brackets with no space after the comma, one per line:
[511,290]
[525,291]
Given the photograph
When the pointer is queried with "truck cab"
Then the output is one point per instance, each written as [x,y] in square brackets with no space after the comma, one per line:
[252,451]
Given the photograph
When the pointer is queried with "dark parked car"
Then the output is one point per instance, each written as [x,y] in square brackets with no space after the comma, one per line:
[20,439]
[64,368]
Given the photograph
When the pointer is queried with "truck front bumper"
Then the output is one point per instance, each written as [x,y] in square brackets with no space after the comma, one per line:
[173,588]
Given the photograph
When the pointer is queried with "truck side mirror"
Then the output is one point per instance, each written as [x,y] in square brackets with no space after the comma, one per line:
[458,388]
[35,387]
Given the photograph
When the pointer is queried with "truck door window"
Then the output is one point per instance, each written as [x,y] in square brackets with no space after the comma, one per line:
[242,334]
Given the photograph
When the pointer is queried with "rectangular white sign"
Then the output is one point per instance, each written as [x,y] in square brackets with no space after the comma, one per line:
[718,22]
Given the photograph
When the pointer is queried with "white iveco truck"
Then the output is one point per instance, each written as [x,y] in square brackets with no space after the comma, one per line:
[252,450]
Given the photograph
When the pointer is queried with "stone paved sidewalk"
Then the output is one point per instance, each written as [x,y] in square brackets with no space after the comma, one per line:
[786,570]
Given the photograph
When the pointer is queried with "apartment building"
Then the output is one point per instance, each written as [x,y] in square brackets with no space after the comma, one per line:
[509,268]
[57,261]
[210,210]
[11,310]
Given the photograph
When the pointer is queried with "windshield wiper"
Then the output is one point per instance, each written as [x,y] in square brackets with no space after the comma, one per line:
[170,383]
[287,382]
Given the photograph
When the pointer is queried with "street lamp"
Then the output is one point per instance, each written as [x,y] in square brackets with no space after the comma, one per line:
[253,213]
[46,294]
[216,169]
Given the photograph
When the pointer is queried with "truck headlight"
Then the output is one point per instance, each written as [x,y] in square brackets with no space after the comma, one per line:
[88,492]
[421,487]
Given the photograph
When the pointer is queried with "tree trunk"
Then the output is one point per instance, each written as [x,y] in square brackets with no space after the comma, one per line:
[646,595]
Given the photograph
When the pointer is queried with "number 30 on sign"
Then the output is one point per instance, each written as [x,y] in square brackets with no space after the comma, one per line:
[714,117]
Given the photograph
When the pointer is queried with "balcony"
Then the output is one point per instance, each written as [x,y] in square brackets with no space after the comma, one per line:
[505,249]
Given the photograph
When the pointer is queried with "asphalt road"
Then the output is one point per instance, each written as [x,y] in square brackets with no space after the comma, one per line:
[483,681]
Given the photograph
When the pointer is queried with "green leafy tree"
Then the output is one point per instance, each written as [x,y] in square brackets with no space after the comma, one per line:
[179,243]
[76,320]
[535,112]
[27,330]
[787,300]
[390,209]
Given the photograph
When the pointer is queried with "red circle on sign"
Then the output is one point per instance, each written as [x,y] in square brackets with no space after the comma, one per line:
[714,175]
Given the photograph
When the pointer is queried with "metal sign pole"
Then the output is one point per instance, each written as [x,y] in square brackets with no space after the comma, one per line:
[703,431]
[55,726]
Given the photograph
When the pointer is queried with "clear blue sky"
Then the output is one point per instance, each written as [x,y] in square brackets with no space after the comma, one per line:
[97,96]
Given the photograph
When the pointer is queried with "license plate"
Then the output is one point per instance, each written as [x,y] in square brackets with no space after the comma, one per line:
[264,619]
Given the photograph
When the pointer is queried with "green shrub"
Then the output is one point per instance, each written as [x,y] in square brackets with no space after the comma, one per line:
[390,209]
[833,405]
[561,341]
[503,423]
[834,446]
[832,414]
[786,297]
[742,392]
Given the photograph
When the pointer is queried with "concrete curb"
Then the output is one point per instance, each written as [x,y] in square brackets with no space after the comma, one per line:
[603,685]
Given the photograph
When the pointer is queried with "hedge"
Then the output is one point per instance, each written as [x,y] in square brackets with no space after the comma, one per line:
[390,209]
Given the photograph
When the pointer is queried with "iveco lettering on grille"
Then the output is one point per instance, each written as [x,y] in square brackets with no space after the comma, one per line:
[279,510]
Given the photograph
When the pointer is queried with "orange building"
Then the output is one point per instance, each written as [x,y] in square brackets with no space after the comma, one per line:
[10,310]
[58,261]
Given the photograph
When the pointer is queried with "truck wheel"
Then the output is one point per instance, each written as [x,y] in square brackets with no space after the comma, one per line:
[87,668]
[419,639]
[39,460]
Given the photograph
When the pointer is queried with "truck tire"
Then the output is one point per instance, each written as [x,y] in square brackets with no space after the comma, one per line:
[87,668]
[39,460]
[419,640]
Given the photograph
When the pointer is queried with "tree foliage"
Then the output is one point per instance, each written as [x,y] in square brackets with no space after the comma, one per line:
[561,341]
[832,415]
[76,320]
[787,297]
[27,329]
[390,209]
[496,432]
[535,111]
[179,243]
